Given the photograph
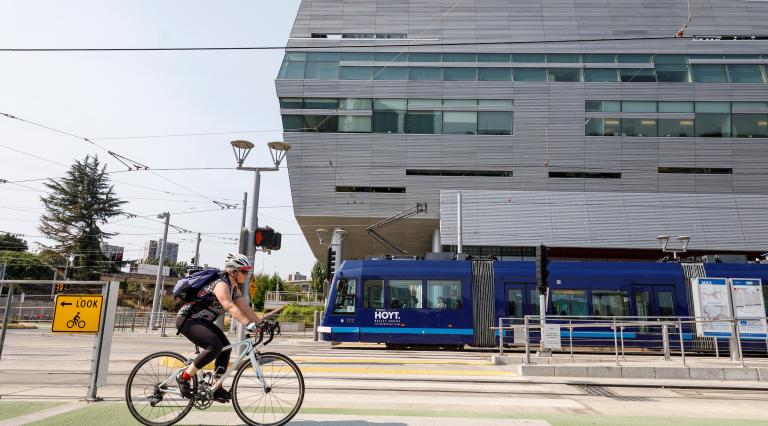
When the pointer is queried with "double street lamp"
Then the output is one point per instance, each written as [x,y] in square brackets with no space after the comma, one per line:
[664,241]
[241,149]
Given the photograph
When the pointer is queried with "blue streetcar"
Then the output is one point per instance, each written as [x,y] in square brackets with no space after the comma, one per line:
[455,303]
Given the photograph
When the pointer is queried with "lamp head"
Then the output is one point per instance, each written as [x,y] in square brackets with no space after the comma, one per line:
[684,240]
[241,149]
[663,240]
[278,150]
[321,234]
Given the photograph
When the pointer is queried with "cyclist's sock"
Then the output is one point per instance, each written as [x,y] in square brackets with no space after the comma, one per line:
[185,375]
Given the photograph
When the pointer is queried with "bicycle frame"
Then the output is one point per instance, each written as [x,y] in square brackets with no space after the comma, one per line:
[249,351]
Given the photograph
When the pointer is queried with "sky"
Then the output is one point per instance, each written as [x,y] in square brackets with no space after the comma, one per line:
[124,95]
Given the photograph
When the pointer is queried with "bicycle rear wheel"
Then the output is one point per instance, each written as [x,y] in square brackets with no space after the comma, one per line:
[148,402]
[275,398]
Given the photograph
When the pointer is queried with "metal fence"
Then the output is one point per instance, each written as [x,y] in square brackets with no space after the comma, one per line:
[286,297]
[661,335]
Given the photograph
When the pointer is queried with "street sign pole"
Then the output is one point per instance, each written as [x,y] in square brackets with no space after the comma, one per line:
[103,347]
[6,318]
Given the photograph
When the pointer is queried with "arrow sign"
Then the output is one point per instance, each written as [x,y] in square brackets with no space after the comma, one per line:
[65,304]
[259,237]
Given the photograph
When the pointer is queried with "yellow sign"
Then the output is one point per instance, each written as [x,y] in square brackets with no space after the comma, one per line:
[77,313]
[252,288]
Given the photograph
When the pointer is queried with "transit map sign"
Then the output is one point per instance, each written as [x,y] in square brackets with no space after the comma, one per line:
[749,307]
[77,313]
[712,302]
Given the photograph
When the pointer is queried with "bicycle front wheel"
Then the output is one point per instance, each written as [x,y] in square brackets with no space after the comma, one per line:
[149,400]
[270,394]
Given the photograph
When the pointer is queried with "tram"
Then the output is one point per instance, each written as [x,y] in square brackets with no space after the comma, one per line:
[455,303]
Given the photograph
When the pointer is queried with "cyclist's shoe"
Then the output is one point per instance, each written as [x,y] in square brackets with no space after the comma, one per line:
[221,395]
[185,387]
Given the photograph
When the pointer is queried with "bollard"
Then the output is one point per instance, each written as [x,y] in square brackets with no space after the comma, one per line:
[133,322]
[717,348]
[162,326]
[570,336]
[622,343]
[315,325]
[527,343]
[615,342]
[665,341]
[682,345]
[501,339]
[738,343]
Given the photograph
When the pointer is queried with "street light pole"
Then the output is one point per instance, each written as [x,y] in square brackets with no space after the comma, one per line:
[156,305]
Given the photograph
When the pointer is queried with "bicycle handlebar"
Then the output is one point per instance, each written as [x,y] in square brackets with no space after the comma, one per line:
[264,327]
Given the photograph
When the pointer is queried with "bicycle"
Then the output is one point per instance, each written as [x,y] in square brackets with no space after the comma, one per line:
[76,321]
[267,386]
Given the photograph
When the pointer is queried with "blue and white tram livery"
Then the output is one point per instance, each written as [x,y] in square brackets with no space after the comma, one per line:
[455,303]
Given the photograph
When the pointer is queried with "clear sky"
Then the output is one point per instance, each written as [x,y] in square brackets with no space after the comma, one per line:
[103,95]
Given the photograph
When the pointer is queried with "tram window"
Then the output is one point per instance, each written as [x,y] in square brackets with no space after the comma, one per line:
[404,294]
[515,302]
[345,297]
[666,303]
[609,303]
[373,294]
[765,298]
[569,302]
[444,295]
[534,302]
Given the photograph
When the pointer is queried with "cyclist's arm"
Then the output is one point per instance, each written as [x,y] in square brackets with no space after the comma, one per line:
[221,290]
[240,302]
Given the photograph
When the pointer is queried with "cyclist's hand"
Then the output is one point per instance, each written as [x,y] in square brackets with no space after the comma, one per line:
[251,327]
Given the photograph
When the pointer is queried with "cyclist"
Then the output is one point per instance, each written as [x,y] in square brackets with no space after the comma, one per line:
[195,321]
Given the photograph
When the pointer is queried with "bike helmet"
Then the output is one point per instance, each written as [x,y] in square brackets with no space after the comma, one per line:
[237,261]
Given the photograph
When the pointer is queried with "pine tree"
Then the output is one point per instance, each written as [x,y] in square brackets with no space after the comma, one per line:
[77,205]
[317,277]
[11,242]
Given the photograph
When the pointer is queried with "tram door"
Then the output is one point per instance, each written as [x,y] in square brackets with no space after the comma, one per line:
[521,300]
[653,301]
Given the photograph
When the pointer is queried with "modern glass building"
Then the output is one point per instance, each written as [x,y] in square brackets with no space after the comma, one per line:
[587,126]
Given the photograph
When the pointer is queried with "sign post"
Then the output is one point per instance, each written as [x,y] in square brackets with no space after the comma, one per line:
[103,347]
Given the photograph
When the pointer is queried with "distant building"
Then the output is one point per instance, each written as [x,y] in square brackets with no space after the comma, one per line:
[114,253]
[298,276]
[299,280]
[152,250]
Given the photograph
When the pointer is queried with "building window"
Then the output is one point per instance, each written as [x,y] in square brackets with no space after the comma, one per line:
[642,127]
[291,103]
[404,294]
[696,170]
[354,124]
[530,74]
[390,57]
[569,302]
[460,123]
[321,103]
[672,127]
[352,104]
[494,123]
[634,59]
[427,122]
[713,125]
[584,175]
[638,106]
[598,58]
[425,73]
[564,74]
[602,106]
[321,123]
[372,189]
[390,73]
[494,74]
[459,173]
[389,122]
[373,294]
[746,73]
[529,58]
[681,107]
[322,71]
[592,75]
[458,57]
[493,57]
[709,73]
[345,297]
[356,73]
[444,295]
[563,58]
[293,123]
[637,75]
[602,127]
[750,125]
[460,74]
[425,57]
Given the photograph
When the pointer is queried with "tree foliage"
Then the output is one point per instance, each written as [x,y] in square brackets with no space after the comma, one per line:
[317,277]
[21,265]
[265,283]
[75,208]
[11,242]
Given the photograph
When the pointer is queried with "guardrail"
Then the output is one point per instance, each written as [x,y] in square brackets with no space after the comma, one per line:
[285,297]
[654,334]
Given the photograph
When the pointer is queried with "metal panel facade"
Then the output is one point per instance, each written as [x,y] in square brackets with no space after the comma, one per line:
[549,120]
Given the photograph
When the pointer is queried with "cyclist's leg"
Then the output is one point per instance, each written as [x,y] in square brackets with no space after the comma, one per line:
[205,335]
[222,360]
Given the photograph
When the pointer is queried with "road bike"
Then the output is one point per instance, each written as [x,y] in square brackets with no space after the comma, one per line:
[267,388]
[76,321]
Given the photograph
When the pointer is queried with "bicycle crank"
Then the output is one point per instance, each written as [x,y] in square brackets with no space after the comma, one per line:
[203,399]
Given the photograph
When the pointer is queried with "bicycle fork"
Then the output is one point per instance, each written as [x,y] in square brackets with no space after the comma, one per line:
[257,369]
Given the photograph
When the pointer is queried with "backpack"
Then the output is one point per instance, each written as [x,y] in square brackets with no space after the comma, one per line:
[186,288]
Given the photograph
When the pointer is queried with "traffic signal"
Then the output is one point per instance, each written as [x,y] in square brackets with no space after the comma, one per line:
[267,239]
[59,288]
[330,266]
[542,272]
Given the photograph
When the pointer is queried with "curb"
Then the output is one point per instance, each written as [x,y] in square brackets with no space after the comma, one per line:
[661,373]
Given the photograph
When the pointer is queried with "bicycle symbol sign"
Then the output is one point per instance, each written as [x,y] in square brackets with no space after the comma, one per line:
[77,313]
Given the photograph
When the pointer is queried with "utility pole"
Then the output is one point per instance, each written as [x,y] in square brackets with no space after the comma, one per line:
[197,251]
[156,305]
[245,208]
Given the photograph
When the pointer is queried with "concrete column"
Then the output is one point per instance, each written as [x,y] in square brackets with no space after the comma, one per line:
[436,246]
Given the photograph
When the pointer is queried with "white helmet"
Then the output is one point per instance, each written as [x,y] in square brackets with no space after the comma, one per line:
[237,261]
